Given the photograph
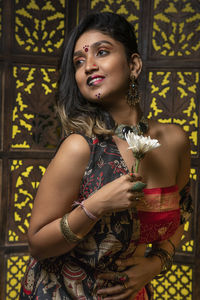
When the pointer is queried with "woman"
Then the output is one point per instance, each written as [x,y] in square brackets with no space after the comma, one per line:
[85,229]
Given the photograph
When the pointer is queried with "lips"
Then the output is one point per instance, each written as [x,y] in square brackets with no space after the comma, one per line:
[94,80]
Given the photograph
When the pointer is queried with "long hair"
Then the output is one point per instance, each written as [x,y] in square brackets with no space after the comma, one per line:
[77,113]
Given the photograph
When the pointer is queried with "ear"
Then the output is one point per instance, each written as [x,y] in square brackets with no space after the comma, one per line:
[135,65]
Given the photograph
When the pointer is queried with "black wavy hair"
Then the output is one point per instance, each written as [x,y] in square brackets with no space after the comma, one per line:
[76,113]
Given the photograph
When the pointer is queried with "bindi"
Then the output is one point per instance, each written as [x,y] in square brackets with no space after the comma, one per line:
[86,48]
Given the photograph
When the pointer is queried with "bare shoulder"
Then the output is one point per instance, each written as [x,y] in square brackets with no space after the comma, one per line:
[75,146]
[171,133]
[71,159]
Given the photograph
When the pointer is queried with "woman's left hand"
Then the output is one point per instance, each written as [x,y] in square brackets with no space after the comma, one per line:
[140,271]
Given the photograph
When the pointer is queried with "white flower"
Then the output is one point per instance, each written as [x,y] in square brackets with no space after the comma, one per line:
[140,144]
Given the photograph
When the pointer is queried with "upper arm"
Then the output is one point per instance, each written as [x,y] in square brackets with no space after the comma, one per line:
[60,185]
[184,158]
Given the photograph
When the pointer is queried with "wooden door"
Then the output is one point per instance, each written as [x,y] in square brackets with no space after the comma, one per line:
[31,39]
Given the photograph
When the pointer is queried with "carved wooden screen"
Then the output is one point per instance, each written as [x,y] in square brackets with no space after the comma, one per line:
[31,38]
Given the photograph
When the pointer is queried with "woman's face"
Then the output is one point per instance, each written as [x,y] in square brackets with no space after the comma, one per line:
[101,67]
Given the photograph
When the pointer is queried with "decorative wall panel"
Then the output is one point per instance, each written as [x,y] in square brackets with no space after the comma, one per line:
[1,5]
[176,29]
[129,9]
[25,177]
[1,174]
[39,26]
[173,98]
[34,123]
[15,269]
[1,110]
[176,284]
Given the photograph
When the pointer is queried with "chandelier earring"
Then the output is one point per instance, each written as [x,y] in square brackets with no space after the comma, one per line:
[133,93]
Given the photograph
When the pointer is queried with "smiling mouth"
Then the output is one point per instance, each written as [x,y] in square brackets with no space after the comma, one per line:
[92,81]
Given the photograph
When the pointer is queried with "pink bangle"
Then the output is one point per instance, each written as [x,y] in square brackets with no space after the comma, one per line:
[87,212]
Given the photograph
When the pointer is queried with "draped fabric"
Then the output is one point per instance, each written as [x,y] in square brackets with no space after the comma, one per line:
[74,275]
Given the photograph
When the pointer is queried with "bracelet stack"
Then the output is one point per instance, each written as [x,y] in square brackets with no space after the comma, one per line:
[68,234]
[165,257]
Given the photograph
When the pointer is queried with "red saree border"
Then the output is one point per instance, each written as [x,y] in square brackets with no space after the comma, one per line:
[161,190]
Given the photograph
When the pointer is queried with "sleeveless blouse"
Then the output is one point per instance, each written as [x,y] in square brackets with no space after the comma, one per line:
[74,275]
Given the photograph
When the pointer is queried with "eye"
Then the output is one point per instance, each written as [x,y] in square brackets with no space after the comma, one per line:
[102,52]
[78,62]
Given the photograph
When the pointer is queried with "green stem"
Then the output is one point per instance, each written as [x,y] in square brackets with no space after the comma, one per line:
[137,161]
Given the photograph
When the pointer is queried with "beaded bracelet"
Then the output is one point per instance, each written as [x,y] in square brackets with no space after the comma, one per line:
[68,234]
[87,212]
[165,257]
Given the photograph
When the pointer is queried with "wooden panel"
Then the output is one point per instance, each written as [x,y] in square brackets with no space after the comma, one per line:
[1,110]
[175,31]
[15,266]
[129,9]
[25,176]
[1,23]
[34,123]
[39,26]
[176,284]
[173,98]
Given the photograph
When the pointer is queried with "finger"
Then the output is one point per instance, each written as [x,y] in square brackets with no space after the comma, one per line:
[114,290]
[107,276]
[134,177]
[136,196]
[126,295]
[120,296]
[128,261]
[138,186]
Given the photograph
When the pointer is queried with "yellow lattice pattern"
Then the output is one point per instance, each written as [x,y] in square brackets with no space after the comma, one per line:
[186,84]
[193,174]
[25,190]
[39,25]
[129,9]
[176,28]
[16,266]
[188,246]
[176,284]
[25,86]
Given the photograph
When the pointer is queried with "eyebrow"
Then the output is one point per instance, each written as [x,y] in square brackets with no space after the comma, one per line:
[80,52]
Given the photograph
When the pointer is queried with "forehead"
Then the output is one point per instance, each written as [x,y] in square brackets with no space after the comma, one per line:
[91,37]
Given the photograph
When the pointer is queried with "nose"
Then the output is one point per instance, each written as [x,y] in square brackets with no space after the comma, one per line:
[90,66]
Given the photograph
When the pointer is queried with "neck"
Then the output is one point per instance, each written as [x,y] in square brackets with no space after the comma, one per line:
[126,115]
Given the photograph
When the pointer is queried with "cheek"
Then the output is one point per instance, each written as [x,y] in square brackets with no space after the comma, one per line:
[78,80]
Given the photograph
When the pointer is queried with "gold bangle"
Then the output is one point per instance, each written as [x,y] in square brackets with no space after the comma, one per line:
[68,234]
[165,258]
[173,246]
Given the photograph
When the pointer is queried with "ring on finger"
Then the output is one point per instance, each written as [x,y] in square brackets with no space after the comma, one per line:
[125,285]
[121,277]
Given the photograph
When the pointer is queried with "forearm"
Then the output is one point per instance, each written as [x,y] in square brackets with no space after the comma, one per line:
[49,240]
[175,240]
[169,245]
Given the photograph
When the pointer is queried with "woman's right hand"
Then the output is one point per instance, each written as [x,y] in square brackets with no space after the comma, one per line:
[115,196]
